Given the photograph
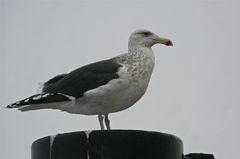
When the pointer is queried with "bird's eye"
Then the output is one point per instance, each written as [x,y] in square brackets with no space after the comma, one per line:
[146,34]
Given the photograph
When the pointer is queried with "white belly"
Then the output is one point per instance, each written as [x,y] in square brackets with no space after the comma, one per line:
[108,102]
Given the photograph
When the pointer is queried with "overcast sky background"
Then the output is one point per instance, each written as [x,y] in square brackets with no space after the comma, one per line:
[194,90]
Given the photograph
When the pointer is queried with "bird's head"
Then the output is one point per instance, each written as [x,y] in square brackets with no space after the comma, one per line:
[147,38]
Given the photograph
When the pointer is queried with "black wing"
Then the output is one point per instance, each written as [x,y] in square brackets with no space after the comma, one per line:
[84,78]
[53,81]
[40,99]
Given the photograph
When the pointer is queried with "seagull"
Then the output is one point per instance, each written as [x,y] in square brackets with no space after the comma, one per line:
[102,87]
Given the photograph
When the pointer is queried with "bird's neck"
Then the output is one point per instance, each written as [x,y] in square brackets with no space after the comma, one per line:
[144,59]
[139,51]
[133,47]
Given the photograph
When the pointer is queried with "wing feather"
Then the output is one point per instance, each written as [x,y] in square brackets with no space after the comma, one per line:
[40,99]
[85,78]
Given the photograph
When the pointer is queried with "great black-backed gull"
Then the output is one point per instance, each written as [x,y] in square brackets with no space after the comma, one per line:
[103,87]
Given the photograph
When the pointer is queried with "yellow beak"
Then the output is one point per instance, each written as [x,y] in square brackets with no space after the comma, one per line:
[164,41]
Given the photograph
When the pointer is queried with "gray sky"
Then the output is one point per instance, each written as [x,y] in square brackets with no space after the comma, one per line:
[194,90]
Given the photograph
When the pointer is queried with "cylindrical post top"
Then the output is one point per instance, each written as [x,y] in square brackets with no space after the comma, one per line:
[109,144]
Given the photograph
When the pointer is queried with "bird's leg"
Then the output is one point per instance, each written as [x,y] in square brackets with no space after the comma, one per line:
[107,121]
[100,118]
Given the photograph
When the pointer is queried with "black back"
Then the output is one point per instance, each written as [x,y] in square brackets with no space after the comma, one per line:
[83,79]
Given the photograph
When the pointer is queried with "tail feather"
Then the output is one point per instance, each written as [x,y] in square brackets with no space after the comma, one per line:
[55,105]
[40,101]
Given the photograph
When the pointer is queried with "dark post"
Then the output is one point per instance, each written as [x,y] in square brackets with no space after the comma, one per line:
[112,144]
[109,144]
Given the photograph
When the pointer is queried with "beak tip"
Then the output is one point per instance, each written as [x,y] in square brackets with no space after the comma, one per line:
[169,43]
